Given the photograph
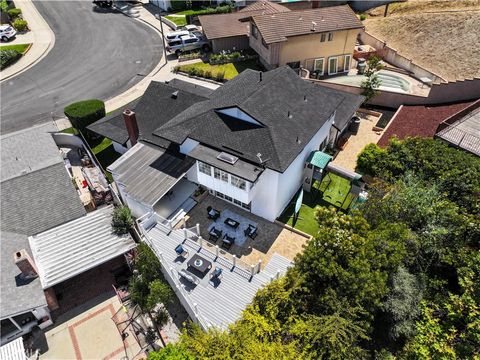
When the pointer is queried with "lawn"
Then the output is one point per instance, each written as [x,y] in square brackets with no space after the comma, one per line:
[332,189]
[177,20]
[21,48]
[230,70]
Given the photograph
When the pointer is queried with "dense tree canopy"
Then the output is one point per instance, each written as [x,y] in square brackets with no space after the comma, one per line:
[397,278]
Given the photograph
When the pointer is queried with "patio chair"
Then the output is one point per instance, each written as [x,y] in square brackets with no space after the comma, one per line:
[185,275]
[215,234]
[181,251]
[216,274]
[227,241]
[251,231]
[213,213]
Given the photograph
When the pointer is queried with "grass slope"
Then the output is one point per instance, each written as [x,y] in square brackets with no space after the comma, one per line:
[21,48]
[231,69]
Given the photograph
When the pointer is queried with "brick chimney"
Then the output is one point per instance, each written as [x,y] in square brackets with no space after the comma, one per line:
[25,264]
[131,125]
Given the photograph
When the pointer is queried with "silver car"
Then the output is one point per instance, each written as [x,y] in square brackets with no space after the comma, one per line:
[188,43]
[7,32]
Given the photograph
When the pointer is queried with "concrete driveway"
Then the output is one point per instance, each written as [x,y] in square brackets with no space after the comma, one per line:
[97,54]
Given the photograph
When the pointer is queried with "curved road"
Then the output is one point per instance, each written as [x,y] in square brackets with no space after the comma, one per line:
[97,54]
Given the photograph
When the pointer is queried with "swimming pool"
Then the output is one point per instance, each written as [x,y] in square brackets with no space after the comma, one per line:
[389,81]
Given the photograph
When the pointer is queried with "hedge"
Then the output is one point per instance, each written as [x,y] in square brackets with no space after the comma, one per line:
[14,13]
[20,25]
[8,57]
[86,112]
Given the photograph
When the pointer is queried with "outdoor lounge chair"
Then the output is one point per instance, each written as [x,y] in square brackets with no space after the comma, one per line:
[227,241]
[180,250]
[251,231]
[185,275]
[213,213]
[215,233]
[216,274]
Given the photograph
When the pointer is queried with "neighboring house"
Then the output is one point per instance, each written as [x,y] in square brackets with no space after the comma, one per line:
[462,129]
[320,40]
[231,31]
[420,120]
[38,197]
[247,143]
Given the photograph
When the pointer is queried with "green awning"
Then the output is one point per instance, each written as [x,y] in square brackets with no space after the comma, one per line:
[319,159]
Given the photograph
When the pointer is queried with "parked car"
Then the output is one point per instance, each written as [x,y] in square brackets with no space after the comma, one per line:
[7,32]
[175,35]
[190,28]
[188,43]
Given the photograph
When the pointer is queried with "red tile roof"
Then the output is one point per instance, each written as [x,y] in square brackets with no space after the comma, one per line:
[227,25]
[278,27]
[419,120]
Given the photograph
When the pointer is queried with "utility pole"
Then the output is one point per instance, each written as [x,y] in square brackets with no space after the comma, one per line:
[161,30]
[386,10]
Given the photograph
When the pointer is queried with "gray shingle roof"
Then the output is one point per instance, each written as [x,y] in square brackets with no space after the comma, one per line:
[16,295]
[153,109]
[278,27]
[148,172]
[28,150]
[291,110]
[38,201]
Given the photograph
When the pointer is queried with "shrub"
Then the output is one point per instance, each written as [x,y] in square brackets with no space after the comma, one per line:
[20,25]
[220,76]
[86,112]
[200,72]
[363,17]
[207,74]
[14,13]
[4,6]
[8,57]
[122,220]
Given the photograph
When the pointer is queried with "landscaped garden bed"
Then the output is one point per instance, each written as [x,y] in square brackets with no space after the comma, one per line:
[180,18]
[220,73]
[9,54]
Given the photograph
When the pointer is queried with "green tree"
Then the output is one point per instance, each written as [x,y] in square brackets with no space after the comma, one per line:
[402,304]
[329,337]
[83,113]
[372,82]
[171,352]
[122,220]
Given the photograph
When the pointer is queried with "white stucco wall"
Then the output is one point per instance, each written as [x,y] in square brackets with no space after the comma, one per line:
[274,190]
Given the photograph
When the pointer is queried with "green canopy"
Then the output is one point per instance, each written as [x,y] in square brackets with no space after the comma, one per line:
[319,159]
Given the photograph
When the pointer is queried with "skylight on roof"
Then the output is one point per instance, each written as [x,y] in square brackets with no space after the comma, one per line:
[227,158]
[239,114]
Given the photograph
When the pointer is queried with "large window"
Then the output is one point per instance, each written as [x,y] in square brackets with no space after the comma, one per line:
[318,65]
[330,36]
[205,168]
[219,174]
[233,201]
[323,37]
[346,63]
[237,182]
[332,65]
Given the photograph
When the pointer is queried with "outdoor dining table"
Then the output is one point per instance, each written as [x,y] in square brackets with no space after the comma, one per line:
[232,223]
[199,263]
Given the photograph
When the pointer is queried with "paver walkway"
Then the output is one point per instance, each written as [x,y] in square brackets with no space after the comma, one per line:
[40,36]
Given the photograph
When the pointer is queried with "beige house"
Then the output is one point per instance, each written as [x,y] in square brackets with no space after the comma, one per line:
[320,40]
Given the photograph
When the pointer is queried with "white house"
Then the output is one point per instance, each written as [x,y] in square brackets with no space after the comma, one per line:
[245,142]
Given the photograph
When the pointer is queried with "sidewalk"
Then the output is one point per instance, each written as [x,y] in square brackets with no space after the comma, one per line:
[162,72]
[40,36]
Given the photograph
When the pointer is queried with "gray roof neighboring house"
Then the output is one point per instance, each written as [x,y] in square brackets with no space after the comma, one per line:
[149,172]
[77,246]
[278,27]
[153,109]
[16,295]
[288,112]
[463,129]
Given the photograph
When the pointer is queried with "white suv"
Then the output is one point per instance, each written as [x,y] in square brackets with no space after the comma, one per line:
[176,35]
[7,32]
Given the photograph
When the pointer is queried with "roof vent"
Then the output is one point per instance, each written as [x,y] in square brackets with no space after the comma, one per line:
[261,76]
[227,158]
[314,26]
[300,18]
[298,141]
[305,98]
[289,114]
[175,94]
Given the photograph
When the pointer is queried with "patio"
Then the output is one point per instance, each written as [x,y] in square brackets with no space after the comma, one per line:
[272,238]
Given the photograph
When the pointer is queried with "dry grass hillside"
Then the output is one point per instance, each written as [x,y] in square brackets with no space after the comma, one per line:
[441,35]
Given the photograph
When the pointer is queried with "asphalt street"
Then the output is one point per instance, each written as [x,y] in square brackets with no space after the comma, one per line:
[97,54]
